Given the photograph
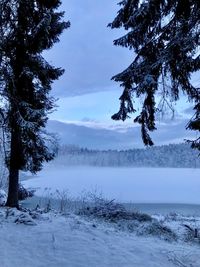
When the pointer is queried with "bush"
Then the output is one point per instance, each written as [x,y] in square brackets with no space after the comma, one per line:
[24,193]
[131,221]
[111,211]
[192,234]
[157,229]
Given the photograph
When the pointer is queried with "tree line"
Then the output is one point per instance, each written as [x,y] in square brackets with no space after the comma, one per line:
[166,156]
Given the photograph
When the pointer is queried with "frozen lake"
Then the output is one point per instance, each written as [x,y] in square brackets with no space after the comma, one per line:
[137,185]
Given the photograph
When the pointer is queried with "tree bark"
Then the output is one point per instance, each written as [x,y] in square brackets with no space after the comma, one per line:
[12,200]
[15,153]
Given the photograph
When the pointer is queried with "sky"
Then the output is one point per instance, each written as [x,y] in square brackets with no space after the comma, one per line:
[86,50]
[87,96]
[87,54]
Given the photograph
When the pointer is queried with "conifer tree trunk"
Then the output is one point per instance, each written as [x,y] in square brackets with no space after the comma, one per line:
[15,153]
[12,200]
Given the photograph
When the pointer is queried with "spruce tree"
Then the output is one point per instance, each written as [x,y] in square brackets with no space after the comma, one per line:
[164,36]
[27,28]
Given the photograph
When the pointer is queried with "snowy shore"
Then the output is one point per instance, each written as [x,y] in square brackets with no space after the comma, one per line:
[54,240]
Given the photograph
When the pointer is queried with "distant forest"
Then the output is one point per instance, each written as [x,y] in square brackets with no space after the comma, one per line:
[174,156]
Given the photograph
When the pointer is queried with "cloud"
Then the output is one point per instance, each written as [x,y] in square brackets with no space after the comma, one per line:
[96,106]
[97,135]
[93,111]
[86,50]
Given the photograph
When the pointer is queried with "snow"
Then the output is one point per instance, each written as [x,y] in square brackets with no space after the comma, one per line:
[73,241]
[138,185]
[3,197]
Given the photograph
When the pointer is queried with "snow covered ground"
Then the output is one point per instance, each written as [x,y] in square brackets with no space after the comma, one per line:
[138,185]
[72,241]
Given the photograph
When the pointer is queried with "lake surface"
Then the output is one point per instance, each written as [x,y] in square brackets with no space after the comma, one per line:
[136,185]
[164,209]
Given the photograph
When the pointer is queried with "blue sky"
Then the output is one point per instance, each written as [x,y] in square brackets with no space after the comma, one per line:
[86,93]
